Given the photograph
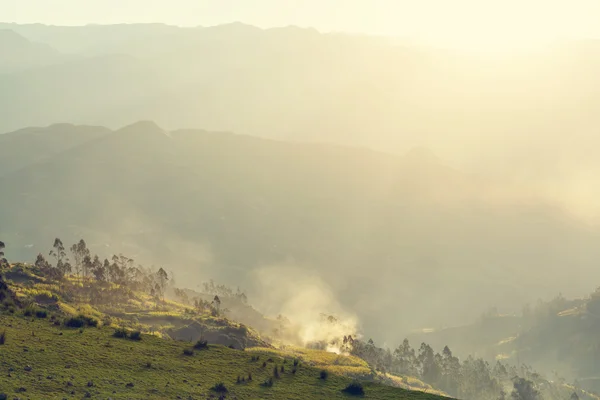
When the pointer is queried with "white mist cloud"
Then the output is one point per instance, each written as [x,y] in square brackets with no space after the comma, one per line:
[304,298]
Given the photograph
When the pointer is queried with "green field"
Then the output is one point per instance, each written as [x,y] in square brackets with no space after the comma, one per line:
[92,363]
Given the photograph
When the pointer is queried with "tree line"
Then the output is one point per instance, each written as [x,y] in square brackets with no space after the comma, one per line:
[472,378]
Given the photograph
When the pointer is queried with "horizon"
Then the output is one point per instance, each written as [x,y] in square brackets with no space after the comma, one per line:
[463,24]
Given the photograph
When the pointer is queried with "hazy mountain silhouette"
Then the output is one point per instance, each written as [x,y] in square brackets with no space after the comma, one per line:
[419,239]
[529,118]
[19,53]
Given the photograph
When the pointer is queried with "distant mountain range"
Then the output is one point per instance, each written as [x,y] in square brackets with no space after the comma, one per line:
[18,53]
[401,241]
[530,118]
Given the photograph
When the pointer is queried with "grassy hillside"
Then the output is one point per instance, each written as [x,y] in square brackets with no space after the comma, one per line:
[43,361]
[55,345]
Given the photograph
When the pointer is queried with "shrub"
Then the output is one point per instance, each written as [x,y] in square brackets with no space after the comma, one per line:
[41,313]
[219,387]
[120,333]
[90,321]
[354,389]
[2,338]
[323,374]
[75,322]
[29,311]
[3,396]
[201,345]
[135,335]
[275,372]
[81,321]
[188,352]
[267,383]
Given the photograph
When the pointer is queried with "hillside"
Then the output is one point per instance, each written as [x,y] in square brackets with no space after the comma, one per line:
[89,318]
[237,208]
[55,344]
[18,53]
[40,360]
[557,337]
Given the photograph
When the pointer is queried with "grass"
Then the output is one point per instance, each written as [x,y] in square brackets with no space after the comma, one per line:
[64,360]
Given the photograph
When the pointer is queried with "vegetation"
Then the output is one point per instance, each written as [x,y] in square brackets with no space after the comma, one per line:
[354,389]
[72,360]
[140,295]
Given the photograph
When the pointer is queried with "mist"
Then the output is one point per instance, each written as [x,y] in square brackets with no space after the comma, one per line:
[352,184]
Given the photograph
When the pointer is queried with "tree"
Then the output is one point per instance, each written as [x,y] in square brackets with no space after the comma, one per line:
[451,375]
[524,389]
[430,368]
[217,304]
[58,252]
[80,252]
[404,361]
[98,269]
[163,278]
[2,259]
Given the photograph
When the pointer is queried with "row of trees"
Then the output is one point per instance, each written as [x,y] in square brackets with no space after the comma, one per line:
[472,378]
[119,270]
[124,273]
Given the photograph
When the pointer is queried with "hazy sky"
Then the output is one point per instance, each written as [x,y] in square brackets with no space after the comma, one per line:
[509,22]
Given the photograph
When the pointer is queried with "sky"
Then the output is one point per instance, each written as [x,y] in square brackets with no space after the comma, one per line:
[500,22]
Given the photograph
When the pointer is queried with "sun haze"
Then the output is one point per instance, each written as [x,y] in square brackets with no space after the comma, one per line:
[472,24]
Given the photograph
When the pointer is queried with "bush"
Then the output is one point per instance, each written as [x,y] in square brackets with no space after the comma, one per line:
[120,333]
[188,352]
[219,387]
[201,345]
[2,338]
[29,311]
[81,321]
[267,383]
[135,335]
[41,313]
[323,374]
[75,322]
[276,372]
[354,389]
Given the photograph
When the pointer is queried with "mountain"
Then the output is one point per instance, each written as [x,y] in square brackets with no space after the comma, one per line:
[33,145]
[527,119]
[375,234]
[18,53]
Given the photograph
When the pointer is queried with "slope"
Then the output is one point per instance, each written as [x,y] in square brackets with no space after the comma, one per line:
[40,360]
[57,344]
[237,208]
[19,53]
